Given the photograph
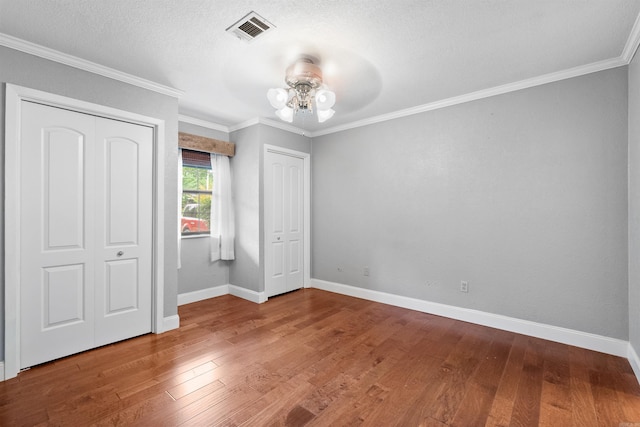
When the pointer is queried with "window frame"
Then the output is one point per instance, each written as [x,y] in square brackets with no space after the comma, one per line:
[197,193]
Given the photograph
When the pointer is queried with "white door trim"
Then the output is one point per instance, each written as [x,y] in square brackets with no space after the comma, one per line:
[14,97]
[306,157]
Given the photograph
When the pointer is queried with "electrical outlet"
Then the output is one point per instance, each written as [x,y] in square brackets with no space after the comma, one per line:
[366,271]
[464,286]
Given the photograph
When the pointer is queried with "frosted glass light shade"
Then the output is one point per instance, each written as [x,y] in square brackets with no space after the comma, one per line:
[324,115]
[285,114]
[325,99]
[277,97]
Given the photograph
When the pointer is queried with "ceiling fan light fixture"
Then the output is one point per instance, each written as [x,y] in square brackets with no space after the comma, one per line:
[305,87]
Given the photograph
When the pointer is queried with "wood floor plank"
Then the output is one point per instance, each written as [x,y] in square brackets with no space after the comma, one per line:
[316,358]
[443,393]
[284,409]
[526,407]
[555,401]
[461,365]
[483,385]
[406,382]
[267,399]
[605,396]
[351,412]
[189,386]
[214,408]
[629,395]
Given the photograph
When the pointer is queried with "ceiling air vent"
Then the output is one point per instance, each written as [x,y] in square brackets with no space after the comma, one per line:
[250,27]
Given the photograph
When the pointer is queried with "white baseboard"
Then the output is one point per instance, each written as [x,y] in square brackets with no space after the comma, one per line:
[253,296]
[189,297]
[171,322]
[586,340]
[2,378]
[216,291]
[634,360]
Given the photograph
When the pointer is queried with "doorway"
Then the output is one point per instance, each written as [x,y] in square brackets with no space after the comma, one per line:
[286,220]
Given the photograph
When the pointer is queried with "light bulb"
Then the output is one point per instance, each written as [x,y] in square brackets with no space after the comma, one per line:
[277,97]
[325,99]
[285,114]
[324,115]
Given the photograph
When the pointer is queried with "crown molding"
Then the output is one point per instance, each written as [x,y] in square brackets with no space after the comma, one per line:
[633,42]
[485,93]
[244,124]
[284,126]
[203,123]
[269,122]
[82,64]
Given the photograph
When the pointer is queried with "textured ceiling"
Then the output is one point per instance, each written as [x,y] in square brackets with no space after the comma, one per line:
[378,56]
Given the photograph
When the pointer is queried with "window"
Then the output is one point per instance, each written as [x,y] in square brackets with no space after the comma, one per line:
[197,185]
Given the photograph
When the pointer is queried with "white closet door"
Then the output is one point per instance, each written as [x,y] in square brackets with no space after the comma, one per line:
[284,221]
[123,172]
[56,229]
[85,278]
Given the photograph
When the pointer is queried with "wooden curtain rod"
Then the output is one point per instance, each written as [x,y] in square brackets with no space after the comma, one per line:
[209,145]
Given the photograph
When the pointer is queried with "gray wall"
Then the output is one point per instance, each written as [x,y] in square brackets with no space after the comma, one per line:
[523,195]
[634,203]
[198,272]
[247,270]
[244,271]
[37,73]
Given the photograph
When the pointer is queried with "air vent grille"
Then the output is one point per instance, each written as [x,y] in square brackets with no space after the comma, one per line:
[250,26]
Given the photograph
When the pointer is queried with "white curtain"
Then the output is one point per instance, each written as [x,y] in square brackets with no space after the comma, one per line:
[179,207]
[222,221]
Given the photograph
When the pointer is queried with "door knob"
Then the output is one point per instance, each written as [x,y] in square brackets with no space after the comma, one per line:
[120,253]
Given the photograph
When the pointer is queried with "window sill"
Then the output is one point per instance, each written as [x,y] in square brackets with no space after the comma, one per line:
[194,236]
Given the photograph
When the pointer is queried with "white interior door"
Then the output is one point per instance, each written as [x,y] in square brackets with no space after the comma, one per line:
[284,223]
[57,217]
[85,203]
[123,236]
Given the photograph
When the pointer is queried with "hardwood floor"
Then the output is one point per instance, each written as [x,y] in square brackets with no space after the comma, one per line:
[317,358]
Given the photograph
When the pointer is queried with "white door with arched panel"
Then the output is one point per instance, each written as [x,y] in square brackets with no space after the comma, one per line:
[284,220]
[124,220]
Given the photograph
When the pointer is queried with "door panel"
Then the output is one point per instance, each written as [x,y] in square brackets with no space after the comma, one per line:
[295,278]
[284,222]
[278,261]
[122,189]
[63,188]
[295,195]
[294,256]
[274,210]
[122,287]
[123,230]
[56,223]
[277,195]
[63,295]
